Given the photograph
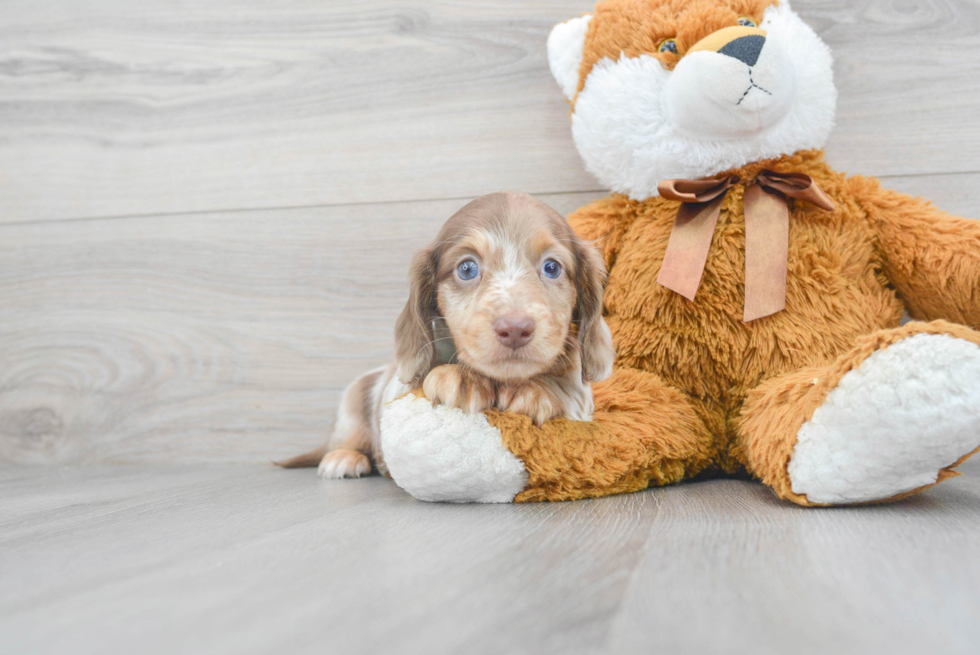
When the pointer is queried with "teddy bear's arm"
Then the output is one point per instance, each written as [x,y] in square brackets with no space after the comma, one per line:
[604,222]
[643,432]
[931,257]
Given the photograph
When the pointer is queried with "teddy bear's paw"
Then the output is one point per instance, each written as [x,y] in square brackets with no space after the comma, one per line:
[441,454]
[892,425]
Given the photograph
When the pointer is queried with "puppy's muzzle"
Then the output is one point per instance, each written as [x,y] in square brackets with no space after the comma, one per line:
[514,331]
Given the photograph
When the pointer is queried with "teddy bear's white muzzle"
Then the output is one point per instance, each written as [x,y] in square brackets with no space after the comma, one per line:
[734,93]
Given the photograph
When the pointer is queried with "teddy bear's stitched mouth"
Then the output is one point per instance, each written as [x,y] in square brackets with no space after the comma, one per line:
[752,85]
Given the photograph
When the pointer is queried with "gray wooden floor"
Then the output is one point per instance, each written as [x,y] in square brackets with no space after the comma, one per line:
[250,559]
[206,213]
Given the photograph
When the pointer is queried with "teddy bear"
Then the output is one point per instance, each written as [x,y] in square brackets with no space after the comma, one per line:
[755,295]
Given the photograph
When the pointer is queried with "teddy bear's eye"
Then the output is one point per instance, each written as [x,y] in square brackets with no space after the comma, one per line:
[747,22]
[669,45]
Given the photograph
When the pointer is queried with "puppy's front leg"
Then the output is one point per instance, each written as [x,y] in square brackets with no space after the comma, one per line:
[458,386]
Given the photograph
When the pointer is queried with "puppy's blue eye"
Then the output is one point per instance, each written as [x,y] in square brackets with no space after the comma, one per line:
[551,269]
[467,270]
[747,22]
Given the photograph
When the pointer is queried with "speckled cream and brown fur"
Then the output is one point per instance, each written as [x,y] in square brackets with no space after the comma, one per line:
[509,237]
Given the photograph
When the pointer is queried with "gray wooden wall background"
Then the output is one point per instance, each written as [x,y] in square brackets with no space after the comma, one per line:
[207,208]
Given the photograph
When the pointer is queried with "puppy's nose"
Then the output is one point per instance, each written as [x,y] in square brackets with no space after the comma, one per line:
[514,331]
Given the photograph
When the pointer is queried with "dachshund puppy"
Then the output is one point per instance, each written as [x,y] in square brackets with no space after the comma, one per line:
[505,312]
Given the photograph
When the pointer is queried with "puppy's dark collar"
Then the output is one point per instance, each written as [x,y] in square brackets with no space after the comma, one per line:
[445,346]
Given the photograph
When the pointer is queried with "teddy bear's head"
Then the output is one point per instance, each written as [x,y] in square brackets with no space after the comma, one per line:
[665,89]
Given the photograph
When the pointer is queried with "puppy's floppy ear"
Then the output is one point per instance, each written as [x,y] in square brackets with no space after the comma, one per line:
[595,339]
[414,342]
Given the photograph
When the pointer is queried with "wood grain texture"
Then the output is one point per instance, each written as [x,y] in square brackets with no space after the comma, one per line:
[956,194]
[744,573]
[249,559]
[112,108]
[163,107]
[253,560]
[218,337]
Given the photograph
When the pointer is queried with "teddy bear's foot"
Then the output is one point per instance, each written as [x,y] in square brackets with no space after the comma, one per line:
[442,454]
[892,417]
[896,424]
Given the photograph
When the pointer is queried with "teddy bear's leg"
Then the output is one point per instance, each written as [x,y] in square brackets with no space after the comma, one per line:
[643,432]
[890,418]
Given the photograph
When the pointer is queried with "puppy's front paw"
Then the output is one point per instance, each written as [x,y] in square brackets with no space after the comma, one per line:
[344,463]
[531,400]
[456,386]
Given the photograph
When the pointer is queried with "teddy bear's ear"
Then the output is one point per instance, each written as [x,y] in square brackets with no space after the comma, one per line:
[565,45]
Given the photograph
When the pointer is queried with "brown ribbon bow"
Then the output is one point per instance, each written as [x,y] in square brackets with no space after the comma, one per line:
[766,234]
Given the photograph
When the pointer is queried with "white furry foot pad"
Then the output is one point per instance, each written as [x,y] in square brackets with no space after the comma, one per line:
[344,463]
[441,454]
[893,424]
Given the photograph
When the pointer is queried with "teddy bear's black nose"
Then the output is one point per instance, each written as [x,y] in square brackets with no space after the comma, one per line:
[746,49]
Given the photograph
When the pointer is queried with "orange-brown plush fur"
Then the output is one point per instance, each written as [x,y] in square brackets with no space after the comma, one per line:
[697,389]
